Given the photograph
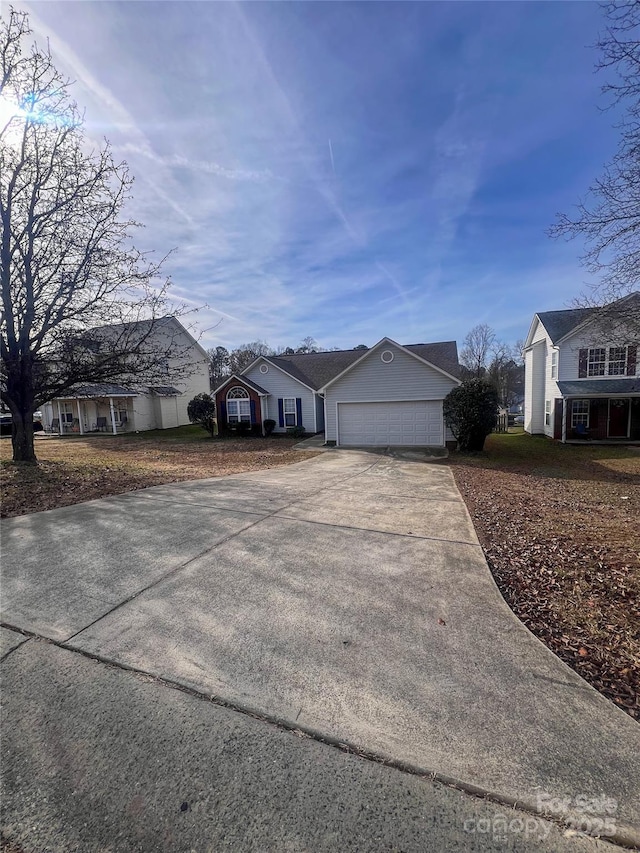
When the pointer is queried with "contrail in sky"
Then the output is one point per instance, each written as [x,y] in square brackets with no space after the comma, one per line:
[331,154]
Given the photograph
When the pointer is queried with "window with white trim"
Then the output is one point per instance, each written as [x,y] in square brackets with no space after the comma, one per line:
[290,412]
[547,412]
[607,361]
[66,412]
[580,413]
[238,406]
[597,361]
[617,365]
[554,364]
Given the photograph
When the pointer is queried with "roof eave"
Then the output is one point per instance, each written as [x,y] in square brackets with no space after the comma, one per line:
[396,344]
[281,369]
[529,339]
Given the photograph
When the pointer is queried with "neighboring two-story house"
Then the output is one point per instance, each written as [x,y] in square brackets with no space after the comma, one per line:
[579,382]
[141,403]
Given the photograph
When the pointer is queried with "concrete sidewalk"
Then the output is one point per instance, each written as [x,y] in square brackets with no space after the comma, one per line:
[346,596]
[98,760]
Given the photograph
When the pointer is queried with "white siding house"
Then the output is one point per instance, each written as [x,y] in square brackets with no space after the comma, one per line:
[113,407]
[580,382]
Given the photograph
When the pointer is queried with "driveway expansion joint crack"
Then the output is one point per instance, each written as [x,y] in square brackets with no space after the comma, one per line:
[377,530]
[624,838]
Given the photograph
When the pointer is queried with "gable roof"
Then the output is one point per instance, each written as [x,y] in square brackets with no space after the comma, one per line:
[317,369]
[243,380]
[443,350]
[561,324]
[147,326]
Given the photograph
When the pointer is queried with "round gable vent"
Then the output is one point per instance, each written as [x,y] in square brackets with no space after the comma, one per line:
[386,356]
[264,368]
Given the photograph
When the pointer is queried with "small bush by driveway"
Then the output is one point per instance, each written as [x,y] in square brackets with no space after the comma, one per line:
[559,527]
[72,470]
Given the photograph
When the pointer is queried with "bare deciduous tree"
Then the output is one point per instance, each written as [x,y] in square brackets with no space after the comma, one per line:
[67,263]
[476,348]
[309,344]
[608,219]
[243,355]
[483,356]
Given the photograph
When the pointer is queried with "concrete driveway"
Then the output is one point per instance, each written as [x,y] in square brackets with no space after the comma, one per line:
[346,597]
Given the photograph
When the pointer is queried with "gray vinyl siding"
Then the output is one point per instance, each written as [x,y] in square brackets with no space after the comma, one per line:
[405,378]
[280,385]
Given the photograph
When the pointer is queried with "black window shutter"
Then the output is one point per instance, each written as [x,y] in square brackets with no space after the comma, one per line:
[582,363]
[223,412]
[253,411]
[632,360]
[280,411]
[299,411]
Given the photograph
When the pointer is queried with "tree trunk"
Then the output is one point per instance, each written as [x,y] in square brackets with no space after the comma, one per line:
[22,438]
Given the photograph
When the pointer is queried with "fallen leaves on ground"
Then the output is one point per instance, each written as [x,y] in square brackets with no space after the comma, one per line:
[560,529]
[72,470]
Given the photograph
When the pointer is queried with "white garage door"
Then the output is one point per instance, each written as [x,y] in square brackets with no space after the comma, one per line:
[381,424]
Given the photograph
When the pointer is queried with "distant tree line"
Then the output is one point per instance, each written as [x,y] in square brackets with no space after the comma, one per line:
[483,356]
[224,362]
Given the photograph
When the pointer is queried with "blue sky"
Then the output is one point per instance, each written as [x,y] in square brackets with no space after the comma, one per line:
[347,171]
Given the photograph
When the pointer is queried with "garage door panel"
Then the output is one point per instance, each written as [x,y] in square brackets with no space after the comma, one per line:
[381,424]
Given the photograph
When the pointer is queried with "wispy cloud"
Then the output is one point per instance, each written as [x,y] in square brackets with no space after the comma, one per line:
[199,166]
[345,171]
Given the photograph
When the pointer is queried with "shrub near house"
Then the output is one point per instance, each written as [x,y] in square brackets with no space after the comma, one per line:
[470,412]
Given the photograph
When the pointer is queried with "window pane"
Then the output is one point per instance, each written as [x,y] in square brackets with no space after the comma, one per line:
[244,407]
[289,419]
[617,361]
[597,359]
[290,404]
[236,393]
[580,412]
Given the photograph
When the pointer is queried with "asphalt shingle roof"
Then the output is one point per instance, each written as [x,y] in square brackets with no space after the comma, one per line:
[611,387]
[560,323]
[102,389]
[315,369]
[165,390]
[245,381]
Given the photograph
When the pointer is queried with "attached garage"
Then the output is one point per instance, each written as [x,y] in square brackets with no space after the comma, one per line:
[392,396]
[382,424]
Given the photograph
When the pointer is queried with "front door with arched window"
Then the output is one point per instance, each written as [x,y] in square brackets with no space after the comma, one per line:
[238,406]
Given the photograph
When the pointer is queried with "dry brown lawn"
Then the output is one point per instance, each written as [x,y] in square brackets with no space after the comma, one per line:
[560,527]
[73,469]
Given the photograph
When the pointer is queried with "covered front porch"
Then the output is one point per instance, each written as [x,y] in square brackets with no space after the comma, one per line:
[92,409]
[614,419]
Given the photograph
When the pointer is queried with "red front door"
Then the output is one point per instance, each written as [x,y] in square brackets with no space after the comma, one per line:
[618,418]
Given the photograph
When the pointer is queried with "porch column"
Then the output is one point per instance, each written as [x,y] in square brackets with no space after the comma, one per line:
[263,412]
[59,418]
[80,424]
[113,416]
[564,420]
